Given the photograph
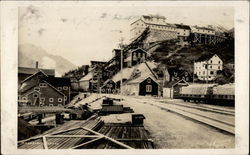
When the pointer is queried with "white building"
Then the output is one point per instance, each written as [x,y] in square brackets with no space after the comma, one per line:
[202,30]
[155,23]
[183,31]
[206,67]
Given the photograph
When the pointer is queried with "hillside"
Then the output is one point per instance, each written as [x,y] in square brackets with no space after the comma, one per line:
[171,54]
[28,54]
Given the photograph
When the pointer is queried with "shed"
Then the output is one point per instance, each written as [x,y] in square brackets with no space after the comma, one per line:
[172,89]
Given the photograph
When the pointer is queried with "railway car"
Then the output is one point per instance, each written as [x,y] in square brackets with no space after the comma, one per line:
[209,93]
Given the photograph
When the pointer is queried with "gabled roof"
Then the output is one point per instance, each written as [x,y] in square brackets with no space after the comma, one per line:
[39,71]
[145,72]
[27,70]
[53,87]
[206,57]
[173,83]
[57,81]
[181,26]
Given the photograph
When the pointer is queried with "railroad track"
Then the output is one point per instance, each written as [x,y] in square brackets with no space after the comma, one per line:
[204,108]
[221,125]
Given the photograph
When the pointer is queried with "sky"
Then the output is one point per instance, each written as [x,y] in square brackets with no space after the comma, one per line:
[90,32]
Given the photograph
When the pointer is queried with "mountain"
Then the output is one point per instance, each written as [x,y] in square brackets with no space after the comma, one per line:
[28,54]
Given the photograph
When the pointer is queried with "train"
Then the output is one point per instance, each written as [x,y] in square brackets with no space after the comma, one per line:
[209,93]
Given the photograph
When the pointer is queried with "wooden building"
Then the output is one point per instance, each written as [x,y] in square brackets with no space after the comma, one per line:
[135,57]
[43,94]
[25,72]
[109,87]
[172,88]
[35,91]
[177,73]
[142,81]
[61,84]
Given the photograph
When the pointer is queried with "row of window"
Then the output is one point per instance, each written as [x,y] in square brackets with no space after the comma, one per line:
[211,73]
[51,105]
[205,67]
[42,99]
[64,88]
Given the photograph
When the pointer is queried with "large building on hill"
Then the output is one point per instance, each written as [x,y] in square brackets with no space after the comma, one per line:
[156,24]
[206,67]
[183,31]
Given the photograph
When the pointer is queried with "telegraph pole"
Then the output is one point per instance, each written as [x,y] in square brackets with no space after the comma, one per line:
[121,92]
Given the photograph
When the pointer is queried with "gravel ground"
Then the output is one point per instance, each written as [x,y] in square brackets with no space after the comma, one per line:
[169,130]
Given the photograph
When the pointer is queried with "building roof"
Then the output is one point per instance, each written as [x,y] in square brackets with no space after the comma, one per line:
[204,28]
[143,71]
[206,57]
[27,70]
[173,83]
[87,77]
[181,26]
[57,81]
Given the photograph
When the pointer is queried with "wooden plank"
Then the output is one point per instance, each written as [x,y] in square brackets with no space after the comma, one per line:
[91,141]
[45,145]
[72,136]
[110,139]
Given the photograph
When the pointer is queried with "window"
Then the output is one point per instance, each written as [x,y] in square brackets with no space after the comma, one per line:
[211,61]
[65,98]
[51,99]
[43,85]
[218,67]
[219,62]
[25,98]
[35,95]
[51,105]
[148,88]
[42,99]
[59,88]
[37,88]
[149,80]
[211,66]
[59,99]
[211,72]
[65,88]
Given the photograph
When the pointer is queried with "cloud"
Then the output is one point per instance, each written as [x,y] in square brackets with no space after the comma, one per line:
[41,31]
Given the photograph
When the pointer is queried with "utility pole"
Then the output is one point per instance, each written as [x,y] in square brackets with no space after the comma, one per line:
[121,92]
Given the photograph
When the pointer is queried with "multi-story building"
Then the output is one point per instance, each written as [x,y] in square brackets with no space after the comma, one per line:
[134,57]
[183,31]
[156,24]
[35,91]
[206,67]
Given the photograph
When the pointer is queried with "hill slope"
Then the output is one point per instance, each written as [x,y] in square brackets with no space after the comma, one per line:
[28,54]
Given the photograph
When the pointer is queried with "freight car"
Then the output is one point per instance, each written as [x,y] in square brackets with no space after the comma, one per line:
[209,93]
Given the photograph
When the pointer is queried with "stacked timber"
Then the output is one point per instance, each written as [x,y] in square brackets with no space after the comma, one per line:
[60,137]
[227,89]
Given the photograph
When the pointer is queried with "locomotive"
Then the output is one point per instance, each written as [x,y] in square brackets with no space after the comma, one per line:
[209,93]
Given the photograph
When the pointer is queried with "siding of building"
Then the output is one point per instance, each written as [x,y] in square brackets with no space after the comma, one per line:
[43,94]
[148,87]
[207,69]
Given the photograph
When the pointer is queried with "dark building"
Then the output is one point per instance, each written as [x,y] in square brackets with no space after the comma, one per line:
[61,84]
[25,72]
[148,87]
[135,57]
[176,74]
[109,87]
[35,91]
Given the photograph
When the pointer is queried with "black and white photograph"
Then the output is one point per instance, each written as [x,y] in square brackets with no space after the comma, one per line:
[117,75]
